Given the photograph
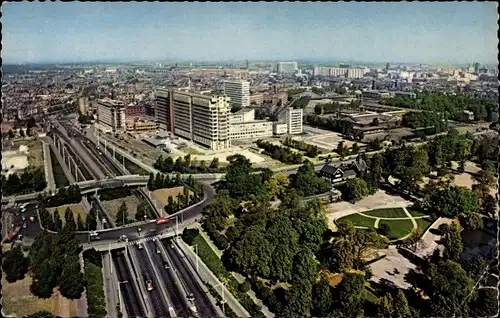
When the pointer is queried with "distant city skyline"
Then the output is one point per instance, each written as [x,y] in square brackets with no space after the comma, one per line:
[427,33]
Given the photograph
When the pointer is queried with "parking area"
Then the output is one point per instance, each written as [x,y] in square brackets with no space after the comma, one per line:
[392,268]
[325,139]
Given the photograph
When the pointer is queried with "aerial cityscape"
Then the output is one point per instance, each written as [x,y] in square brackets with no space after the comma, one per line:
[250,159]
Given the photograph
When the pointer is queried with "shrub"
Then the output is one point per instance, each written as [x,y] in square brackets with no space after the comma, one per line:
[383,229]
[245,286]
[188,235]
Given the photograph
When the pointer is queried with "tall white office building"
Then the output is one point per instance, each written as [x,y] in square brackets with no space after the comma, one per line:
[111,114]
[238,91]
[287,67]
[294,122]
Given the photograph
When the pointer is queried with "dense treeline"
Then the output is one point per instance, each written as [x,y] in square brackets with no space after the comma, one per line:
[295,91]
[282,154]
[63,196]
[318,90]
[54,262]
[310,150]
[186,165]
[29,181]
[329,123]
[423,119]
[333,107]
[301,102]
[450,104]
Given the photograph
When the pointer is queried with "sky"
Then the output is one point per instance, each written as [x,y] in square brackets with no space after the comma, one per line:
[417,32]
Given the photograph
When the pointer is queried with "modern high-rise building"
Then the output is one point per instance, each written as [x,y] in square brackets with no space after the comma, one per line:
[111,114]
[387,66]
[163,112]
[203,119]
[238,91]
[355,73]
[476,67]
[83,105]
[294,118]
[286,67]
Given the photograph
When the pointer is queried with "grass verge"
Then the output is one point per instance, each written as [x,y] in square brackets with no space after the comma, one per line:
[129,165]
[96,300]
[59,177]
[423,224]
[213,262]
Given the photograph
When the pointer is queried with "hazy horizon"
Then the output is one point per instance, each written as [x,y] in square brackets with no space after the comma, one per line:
[455,33]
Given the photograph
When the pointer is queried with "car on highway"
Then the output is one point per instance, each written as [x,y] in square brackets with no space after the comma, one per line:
[190,297]
[122,238]
[25,225]
[166,265]
[139,229]
[23,217]
[139,246]
[158,251]
[149,285]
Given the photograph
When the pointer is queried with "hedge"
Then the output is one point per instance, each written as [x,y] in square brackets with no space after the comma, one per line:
[96,300]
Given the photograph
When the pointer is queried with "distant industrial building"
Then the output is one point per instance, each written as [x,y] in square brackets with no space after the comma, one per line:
[111,114]
[140,125]
[238,91]
[286,67]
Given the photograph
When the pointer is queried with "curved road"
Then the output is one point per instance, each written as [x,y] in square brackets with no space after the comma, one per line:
[152,229]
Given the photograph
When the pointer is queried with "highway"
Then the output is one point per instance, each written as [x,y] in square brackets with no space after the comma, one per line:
[146,272]
[126,287]
[180,264]
[175,292]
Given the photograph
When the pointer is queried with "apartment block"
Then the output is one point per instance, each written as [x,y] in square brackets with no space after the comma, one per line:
[203,119]
[139,125]
[238,91]
[83,105]
[294,120]
[111,114]
[286,67]
[257,99]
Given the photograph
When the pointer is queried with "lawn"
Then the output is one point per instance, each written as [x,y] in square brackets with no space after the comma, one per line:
[423,224]
[161,195]
[59,177]
[76,208]
[398,228]
[387,213]
[112,206]
[415,213]
[18,301]
[359,220]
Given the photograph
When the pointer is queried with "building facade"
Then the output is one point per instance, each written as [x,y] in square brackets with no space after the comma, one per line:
[286,67]
[163,111]
[244,126]
[238,91]
[135,111]
[294,118]
[111,114]
[203,119]
[83,105]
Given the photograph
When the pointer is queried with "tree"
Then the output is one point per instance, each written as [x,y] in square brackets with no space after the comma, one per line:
[472,221]
[90,221]
[386,306]
[452,201]
[341,149]
[72,281]
[188,235]
[277,185]
[14,264]
[375,122]
[350,296]
[322,298]
[452,241]
[485,304]
[299,300]
[401,307]
[214,165]
[140,214]
[70,221]
[79,223]
[122,215]
[305,265]
[355,190]
[57,220]
[448,287]
[22,133]
[306,182]
[245,286]
[355,148]
[41,314]
[383,229]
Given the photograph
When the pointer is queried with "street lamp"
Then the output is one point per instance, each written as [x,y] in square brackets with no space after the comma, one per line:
[197,257]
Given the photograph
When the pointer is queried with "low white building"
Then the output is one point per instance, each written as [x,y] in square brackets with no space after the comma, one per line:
[280,128]
[244,126]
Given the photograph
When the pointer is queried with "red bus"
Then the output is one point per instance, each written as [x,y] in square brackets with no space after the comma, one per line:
[162,220]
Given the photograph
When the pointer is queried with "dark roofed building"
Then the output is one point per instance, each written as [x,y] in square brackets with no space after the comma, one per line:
[336,174]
